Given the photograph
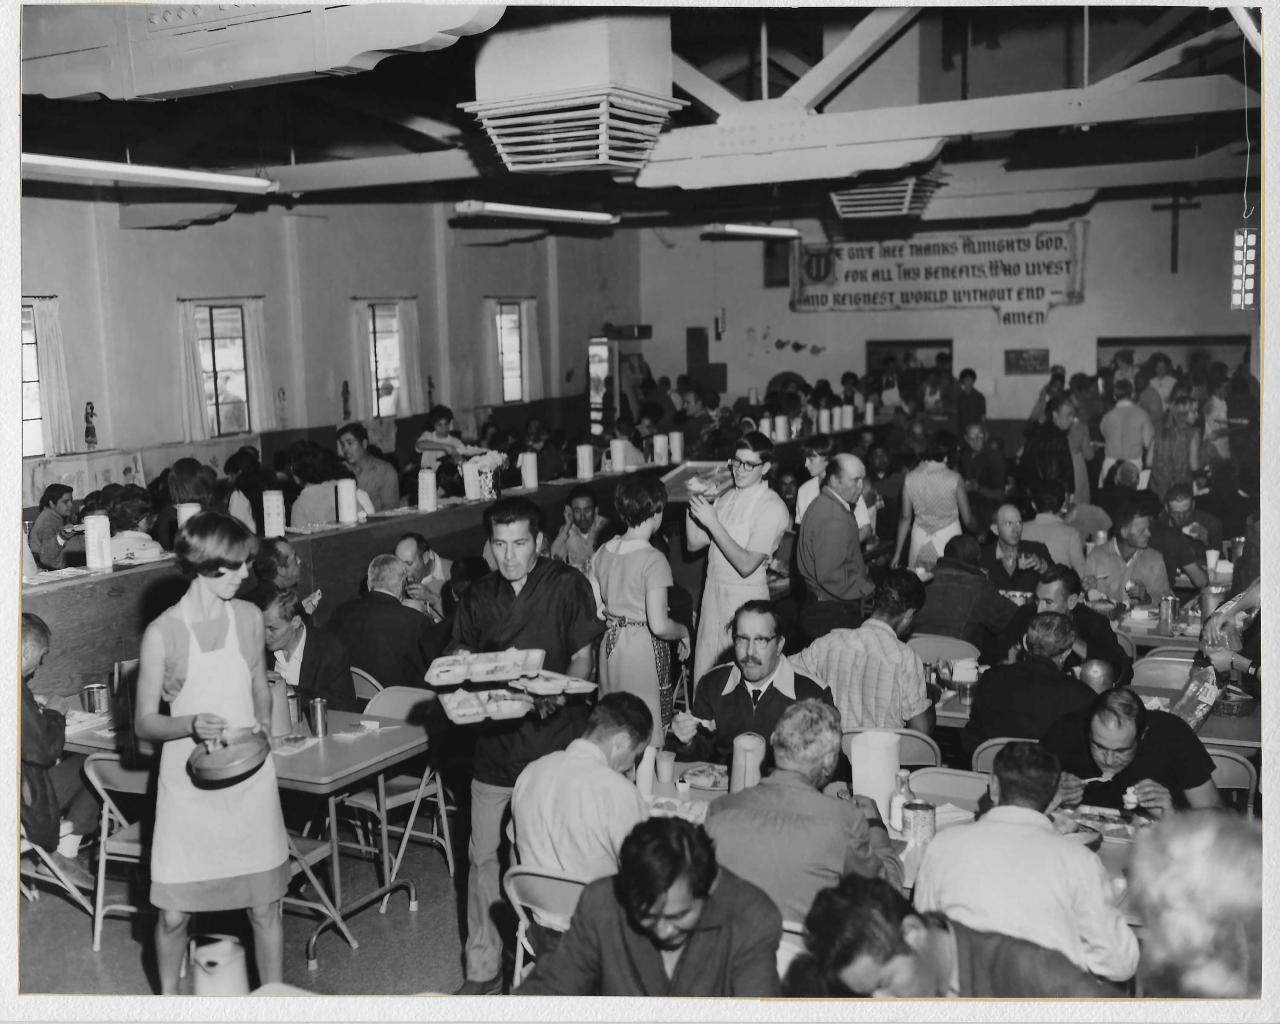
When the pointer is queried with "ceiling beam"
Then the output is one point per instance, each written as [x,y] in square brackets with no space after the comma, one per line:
[996,206]
[859,48]
[1140,45]
[370,172]
[1169,59]
[788,61]
[441,131]
[775,125]
[705,90]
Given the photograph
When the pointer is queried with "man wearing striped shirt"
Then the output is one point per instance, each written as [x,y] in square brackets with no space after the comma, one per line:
[877,681]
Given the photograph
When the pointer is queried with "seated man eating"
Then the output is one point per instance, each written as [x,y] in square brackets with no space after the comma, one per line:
[748,694]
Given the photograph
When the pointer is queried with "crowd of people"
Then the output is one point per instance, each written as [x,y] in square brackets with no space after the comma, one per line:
[923,523]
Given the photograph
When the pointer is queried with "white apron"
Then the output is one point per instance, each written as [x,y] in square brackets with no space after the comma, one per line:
[205,834]
[926,548]
[726,590]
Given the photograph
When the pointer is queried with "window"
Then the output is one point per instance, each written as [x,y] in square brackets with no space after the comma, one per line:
[384,356]
[510,331]
[32,420]
[220,332]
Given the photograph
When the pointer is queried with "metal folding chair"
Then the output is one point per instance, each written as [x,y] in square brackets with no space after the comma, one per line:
[914,747]
[1235,772]
[985,754]
[119,839]
[366,686]
[55,876]
[534,889]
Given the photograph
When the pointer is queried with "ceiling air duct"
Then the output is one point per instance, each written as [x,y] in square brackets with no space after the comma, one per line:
[906,197]
[583,94]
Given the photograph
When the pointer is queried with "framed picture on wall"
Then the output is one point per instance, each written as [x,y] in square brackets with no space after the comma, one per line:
[1025,362]
[777,264]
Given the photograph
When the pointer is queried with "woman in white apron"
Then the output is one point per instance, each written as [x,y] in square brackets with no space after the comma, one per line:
[742,529]
[212,849]
[934,507]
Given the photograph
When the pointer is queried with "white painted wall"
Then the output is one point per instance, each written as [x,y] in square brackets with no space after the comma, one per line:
[686,281]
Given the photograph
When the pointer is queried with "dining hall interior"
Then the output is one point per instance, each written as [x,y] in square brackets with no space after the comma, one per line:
[813,313]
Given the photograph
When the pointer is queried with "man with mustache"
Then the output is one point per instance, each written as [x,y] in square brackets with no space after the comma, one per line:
[748,694]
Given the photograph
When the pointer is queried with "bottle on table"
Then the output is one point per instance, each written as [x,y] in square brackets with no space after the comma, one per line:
[902,795]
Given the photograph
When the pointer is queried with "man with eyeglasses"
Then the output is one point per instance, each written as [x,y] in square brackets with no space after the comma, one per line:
[1118,754]
[748,694]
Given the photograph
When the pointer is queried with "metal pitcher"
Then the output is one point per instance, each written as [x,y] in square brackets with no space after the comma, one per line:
[1211,597]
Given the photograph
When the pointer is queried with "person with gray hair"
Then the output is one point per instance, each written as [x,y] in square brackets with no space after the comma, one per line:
[1025,698]
[786,835]
[386,639]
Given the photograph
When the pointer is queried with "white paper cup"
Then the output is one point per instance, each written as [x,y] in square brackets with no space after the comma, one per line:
[1211,557]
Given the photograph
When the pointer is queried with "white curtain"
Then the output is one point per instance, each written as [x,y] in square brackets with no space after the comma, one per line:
[361,382]
[488,387]
[262,399]
[532,350]
[59,426]
[413,390]
[190,375]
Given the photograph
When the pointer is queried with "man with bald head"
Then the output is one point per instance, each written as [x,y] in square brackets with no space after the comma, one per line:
[829,552]
[1012,563]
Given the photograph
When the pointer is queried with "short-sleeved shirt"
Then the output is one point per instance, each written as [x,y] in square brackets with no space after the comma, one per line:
[1168,753]
[1127,431]
[555,611]
[1112,572]
[377,479]
[875,679]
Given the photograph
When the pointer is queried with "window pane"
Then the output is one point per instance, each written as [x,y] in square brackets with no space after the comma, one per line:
[32,438]
[209,394]
[229,353]
[206,355]
[388,355]
[204,323]
[388,396]
[228,322]
[231,387]
[28,324]
[211,420]
[510,354]
[30,401]
[30,365]
[235,417]
[386,318]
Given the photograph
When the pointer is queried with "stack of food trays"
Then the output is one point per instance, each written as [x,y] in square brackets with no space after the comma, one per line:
[520,670]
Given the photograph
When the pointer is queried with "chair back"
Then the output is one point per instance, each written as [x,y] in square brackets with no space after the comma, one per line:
[365,685]
[1236,772]
[1171,653]
[932,647]
[549,892]
[1127,645]
[1161,673]
[984,755]
[397,701]
[950,785]
[107,774]
[914,747]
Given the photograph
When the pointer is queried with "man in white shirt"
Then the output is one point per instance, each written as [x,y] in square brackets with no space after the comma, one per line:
[1011,872]
[1047,528]
[573,808]
[583,531]
[428,575]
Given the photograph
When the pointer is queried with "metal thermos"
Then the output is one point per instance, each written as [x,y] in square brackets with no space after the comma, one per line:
[1168,612]
[1211,597]
[319,717]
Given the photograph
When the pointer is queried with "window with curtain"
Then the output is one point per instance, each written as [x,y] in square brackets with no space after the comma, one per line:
[220,331]
[384,357]
[32,417]
[511,350]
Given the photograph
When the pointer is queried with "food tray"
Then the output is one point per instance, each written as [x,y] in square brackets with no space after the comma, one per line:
[463,707]
[491,667]
[1069,828]
[549,684]
[1109,822]
[713,777]
[1235,703]
[708,479]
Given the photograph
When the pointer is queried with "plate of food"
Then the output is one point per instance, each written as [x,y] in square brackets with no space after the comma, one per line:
[487,667]
[504,704]
[1068,827]
[463,707]
[1109,822]
[713,777]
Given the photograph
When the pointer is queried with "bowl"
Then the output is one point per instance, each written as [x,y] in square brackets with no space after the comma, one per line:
[241,752]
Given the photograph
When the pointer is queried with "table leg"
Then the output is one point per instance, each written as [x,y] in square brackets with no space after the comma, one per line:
[333,850]
[325,906]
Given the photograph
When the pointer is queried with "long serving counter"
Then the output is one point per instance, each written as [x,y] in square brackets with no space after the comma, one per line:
[98,619]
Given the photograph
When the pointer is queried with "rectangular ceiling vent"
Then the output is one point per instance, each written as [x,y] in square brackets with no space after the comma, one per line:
[610,128]
[905,198]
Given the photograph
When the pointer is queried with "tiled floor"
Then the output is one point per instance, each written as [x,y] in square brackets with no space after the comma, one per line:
[400,952]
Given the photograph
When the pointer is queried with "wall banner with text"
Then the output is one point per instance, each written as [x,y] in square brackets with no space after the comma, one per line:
[1018,273]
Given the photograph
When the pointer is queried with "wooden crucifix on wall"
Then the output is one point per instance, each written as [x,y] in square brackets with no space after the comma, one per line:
[1175,204]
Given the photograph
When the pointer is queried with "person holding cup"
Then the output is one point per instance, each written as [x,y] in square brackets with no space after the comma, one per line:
[223,848]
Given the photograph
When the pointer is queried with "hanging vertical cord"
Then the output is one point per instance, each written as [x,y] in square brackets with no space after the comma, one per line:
[1248,144]
[1085,70]
[764,58]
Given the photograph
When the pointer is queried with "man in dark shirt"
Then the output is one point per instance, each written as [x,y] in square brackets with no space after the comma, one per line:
[986,477]
[1116,745]
[961,602]
[305,657]
[1060,590]
[670,923]
[391,642]
[829,552]
[971,404]
[1010,562]
[1025,698]
[1179,551]
[529,601]
[863,936]
[1180,512]
[748,694]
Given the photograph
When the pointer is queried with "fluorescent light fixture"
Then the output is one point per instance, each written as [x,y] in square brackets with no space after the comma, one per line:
[59,168]
[480,208]
[751,231]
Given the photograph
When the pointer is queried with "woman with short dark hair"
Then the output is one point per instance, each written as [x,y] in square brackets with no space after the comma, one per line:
[223,848]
